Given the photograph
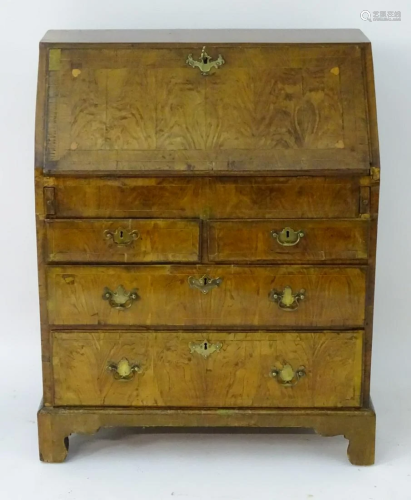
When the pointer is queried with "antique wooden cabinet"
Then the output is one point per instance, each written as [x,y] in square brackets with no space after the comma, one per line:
[206,208]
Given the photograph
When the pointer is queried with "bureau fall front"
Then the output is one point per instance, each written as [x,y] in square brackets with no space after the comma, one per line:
[206,209]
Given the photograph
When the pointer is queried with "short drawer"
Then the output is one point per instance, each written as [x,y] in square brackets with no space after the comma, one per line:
[256,296]
[208,369]
[123,240]
[298,240]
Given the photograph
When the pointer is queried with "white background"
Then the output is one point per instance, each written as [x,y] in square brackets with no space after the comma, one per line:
[124,464]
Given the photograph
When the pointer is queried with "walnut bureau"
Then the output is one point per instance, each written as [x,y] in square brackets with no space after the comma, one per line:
[206,207]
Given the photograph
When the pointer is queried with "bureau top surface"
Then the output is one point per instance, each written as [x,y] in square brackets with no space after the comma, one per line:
[259,36]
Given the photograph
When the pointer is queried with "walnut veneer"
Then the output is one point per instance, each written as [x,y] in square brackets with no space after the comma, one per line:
[206,207]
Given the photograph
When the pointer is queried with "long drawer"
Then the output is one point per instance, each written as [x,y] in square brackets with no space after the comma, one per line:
[208,369]
[208,197]
[257,296]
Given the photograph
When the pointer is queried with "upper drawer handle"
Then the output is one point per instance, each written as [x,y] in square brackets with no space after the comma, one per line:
[120,299]
[205,64]
[205,283]
[123,370]
[122,237]
[286,299]
[287,237]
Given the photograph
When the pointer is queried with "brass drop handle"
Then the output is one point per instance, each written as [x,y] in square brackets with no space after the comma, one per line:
[286,299]
[120,299]
[205,64]
[123,370]
[121,237]
[287,237]
[204,348]
[205,284]
[286,376]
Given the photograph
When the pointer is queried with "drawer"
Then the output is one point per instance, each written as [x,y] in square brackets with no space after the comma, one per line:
[323,297]
[287,240]
[123,240]
[206,197]
[208,369]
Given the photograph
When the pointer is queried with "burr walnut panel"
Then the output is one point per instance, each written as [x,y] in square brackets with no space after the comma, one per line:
[316,241]
[123,240]
[334,297]
[131,109]
[223,197]
[238,374]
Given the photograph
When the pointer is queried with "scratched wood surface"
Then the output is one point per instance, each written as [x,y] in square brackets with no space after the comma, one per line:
[139,109]
[237,375]
[334,297]
[252,240]
[222,198]
[155,240]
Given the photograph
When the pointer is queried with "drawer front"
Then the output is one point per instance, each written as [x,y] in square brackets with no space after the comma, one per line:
[287,240]
[145,109]
[208,369]
[123,240]
[216,198]
[323,297]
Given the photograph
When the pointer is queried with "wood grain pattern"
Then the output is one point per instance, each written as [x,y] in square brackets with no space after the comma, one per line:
[335,297]
[237,375]
[356,425]
[157,241]
[252,241]
[302,104]
[218,198]
[285,132]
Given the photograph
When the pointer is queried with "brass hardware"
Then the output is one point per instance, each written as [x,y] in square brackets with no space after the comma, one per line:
[123,370]
[205,283]
[122,237]
[375,173]
[205,65]
[204,348]
[120,299]
[287,237]
[287,377]
[287,300]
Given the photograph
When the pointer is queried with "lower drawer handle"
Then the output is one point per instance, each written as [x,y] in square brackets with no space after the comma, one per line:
[205,284]
[287,300]
[121,237]
[287,377]
[287,237]
[123,370]
[120,299]
[204,348]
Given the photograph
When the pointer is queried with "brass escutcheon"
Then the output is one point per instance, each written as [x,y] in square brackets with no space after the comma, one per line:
[287,237]
[205,64]
[286,376]
[204,348]
[123,370]
[120,299]
[287,300]
[121,237]
[205,283]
